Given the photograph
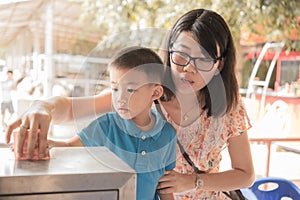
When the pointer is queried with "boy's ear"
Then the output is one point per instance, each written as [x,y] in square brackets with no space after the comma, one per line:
[158,92]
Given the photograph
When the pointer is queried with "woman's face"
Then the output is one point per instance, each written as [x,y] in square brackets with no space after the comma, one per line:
[191,78]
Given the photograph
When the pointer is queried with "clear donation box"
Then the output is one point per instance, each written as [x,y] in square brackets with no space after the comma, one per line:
[72,173]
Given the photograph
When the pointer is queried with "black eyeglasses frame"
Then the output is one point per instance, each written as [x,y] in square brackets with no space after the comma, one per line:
[194,59]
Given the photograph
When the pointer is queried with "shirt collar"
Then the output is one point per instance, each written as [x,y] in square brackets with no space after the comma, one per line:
[131,129]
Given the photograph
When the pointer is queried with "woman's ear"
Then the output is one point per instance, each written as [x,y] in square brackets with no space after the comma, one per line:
[220,67]
[157,92]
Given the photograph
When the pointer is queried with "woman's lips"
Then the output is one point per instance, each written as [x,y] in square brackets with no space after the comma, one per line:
[185,81]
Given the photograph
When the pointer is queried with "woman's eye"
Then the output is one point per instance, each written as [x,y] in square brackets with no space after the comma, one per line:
[114,89]
[205,59]
[181,59]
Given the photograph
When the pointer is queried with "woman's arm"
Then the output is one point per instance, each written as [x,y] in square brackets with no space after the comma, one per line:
[92,106]
[57,110]
[240,176]
[242,173]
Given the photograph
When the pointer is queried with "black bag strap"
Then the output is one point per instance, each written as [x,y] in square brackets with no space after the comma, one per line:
[183,152]
[158,108]
[234,195]
[188,159]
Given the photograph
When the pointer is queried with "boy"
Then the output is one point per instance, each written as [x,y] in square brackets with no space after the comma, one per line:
[137,134]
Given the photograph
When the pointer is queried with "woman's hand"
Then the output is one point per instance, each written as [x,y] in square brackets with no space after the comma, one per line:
[175,182]
[36,120]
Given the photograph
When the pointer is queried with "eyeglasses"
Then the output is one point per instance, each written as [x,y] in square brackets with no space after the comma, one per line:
[202,64]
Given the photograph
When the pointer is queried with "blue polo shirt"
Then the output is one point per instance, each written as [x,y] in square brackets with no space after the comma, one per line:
[149,153]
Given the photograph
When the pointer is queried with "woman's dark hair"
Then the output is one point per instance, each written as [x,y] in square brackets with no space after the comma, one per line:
[210,30]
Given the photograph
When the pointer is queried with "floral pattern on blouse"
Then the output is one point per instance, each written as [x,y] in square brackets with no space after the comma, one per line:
[204,140]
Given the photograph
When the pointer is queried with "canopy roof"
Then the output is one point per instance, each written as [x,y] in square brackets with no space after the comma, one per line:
[17,16]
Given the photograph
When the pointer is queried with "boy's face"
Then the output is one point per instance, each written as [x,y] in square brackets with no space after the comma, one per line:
[131,92]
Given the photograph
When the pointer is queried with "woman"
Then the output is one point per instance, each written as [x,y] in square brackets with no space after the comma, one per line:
[201,56]
[201,100]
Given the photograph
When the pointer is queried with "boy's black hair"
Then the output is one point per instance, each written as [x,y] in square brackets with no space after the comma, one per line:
[141,58]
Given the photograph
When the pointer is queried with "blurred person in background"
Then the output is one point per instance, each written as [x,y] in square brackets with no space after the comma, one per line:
[7,86]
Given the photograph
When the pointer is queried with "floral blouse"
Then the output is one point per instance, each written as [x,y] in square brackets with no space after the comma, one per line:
[204,140]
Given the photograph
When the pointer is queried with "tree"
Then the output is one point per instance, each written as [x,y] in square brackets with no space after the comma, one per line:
[273,20]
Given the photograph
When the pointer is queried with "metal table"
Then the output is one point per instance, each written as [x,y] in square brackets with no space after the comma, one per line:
[71,173]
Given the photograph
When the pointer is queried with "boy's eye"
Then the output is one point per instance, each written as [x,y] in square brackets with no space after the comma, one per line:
[128,90]
[131,90]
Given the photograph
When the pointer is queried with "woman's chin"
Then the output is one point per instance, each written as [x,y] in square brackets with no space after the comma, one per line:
[185,88]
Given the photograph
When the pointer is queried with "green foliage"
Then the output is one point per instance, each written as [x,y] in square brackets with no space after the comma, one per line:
[273,20]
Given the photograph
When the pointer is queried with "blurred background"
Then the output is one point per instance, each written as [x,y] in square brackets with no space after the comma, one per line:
[61,47]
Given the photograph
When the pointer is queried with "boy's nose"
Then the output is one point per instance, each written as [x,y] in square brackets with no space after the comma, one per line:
[122,97]
[121,101]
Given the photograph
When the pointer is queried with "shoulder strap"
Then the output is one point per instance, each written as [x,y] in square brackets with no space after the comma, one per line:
[159,110]
[236,194]
[184,153]
[188,159]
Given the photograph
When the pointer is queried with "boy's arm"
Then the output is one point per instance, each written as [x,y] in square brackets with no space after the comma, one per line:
[166,196]
[73,142]
[56,143]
